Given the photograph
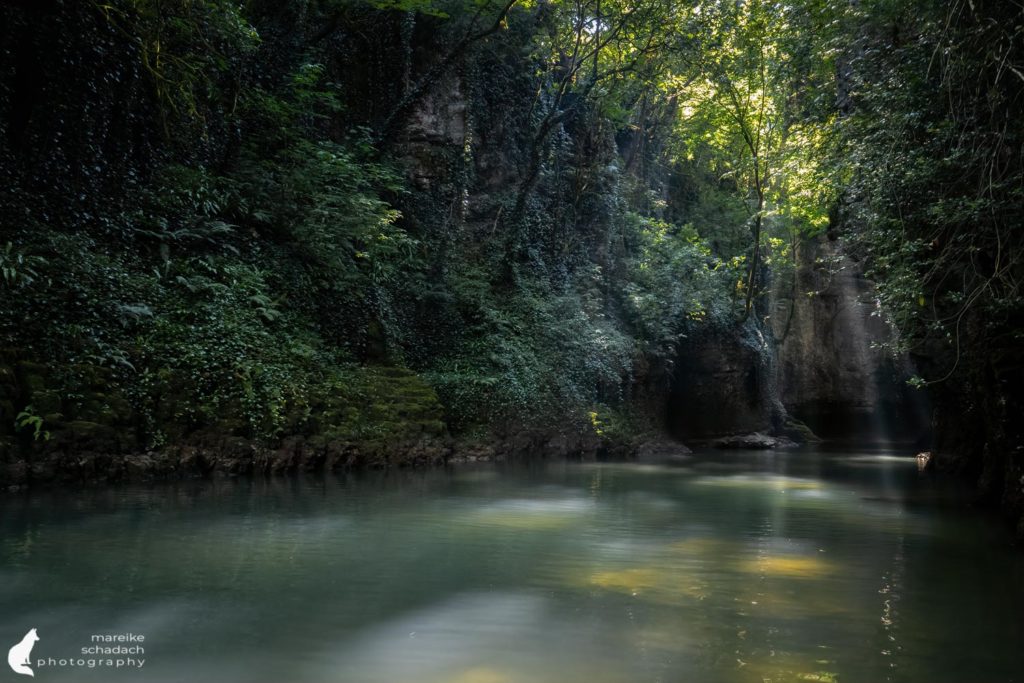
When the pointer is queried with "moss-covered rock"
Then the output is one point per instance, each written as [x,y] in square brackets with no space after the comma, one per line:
[380,403]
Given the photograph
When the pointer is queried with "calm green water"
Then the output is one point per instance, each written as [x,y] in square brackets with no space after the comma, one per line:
[725,567]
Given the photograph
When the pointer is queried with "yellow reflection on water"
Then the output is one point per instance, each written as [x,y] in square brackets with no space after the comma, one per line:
[785,675]
[654,581]
[771,482]
[785,667]
[789,566]
[481,674]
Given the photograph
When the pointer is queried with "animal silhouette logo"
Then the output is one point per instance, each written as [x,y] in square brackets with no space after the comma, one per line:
[18,656]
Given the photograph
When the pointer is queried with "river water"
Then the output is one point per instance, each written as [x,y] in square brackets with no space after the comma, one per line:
[801,566]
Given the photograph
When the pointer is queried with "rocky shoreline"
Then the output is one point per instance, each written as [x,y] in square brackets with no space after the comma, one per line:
[232,456]
[235,456]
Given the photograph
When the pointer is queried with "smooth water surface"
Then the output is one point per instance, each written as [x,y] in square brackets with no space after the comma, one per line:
[800,566]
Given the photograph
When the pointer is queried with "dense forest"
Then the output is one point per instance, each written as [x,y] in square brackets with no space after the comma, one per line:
[271,235]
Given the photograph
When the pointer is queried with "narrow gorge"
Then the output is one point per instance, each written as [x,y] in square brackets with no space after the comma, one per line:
[512,341]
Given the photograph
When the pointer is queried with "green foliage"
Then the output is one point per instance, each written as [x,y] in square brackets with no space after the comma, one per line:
[533,357]
[17,268]
[932,184]
[188,48]
[209,296]
[613,424]
[300,207]
[747,118]
[27,419]
[677,284]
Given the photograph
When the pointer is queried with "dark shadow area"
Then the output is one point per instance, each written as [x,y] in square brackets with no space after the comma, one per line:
[720,387]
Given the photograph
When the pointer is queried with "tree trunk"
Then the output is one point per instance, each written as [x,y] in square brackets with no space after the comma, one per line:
[752,276]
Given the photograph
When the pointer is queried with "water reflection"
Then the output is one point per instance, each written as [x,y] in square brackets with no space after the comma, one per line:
[730,567]
[771,482]
[789,566]
[526,514]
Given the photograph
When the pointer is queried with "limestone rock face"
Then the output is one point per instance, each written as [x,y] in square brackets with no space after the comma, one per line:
[831,373]
[809,357]
[722,386]
[436,128]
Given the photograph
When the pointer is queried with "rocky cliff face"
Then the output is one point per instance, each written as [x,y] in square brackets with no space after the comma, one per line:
[723,385]
[812,357]
[832,373]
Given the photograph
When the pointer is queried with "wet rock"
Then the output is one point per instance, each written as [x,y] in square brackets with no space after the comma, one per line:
[472,452]
[754,441]
[660,449]
[799,432]
[141,466]
[558,445]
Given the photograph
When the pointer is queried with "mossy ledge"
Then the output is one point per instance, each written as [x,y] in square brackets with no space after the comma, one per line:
[369,417]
